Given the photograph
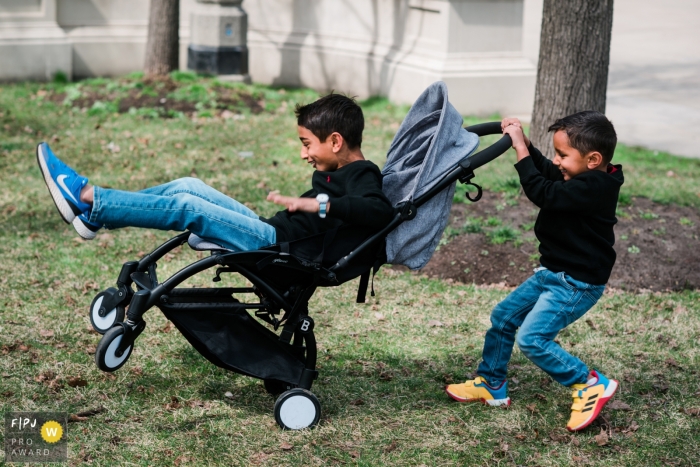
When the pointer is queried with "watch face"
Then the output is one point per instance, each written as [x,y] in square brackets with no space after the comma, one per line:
[322,198]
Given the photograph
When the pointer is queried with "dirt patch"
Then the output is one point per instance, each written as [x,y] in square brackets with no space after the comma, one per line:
[658,246]
[165,95]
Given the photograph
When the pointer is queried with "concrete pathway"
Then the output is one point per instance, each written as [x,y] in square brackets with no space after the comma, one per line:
[654,81]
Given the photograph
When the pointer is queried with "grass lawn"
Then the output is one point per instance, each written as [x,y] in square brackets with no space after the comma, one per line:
[383,365]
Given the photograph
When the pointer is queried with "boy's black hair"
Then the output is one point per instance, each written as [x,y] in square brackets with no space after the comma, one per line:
[333,113]
[589,131]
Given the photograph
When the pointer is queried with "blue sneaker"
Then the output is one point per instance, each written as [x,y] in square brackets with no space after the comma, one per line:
[63,182]
[84,227]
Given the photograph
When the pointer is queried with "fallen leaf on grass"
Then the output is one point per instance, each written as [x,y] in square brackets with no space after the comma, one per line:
[634,426]
[77,381]
[618,405]
[391,447]
[91,412]
[7,348]
[46,333]
[199,404]
[90,285]
[286,446]
[591,324]
[673,363]
[183,460]
[433,323]
[694,411]
[173,404]
[602,438]
[559,437]
[532,408]
[259,458]
[379,316]
[357,402]
[91,349]
[75,418]
[228,395]
[45,376]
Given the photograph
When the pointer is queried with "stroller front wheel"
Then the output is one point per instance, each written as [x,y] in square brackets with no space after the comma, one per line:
[297,409]
[106,355]
[102,319]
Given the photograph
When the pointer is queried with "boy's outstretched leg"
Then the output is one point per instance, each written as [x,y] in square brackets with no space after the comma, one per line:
[589,399]
[65,186]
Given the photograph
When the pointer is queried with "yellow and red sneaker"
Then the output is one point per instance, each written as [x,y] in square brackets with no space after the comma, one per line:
[589,400]
[477,390]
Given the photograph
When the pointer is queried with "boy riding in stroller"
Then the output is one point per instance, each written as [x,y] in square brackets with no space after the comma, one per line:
[344,227]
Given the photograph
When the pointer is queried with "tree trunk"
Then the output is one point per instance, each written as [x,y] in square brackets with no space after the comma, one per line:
[162,47]
[572,73]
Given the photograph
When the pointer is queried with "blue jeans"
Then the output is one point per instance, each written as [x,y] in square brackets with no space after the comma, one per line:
[184,204]
[541,306]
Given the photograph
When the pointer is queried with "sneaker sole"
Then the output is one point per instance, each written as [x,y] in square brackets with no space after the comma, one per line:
[607,395]
[64,209]
[491,402]
[83,230]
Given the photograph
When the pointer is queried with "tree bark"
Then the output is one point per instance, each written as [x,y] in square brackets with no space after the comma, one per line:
[162,46]
[572,73]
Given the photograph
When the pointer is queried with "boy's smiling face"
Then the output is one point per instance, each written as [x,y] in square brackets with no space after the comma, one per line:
[569,160]
[320,154]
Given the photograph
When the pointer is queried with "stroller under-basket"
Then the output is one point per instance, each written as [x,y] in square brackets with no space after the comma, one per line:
[264,330]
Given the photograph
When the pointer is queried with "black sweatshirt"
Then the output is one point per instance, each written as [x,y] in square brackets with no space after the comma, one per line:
[356,197]
[576,219]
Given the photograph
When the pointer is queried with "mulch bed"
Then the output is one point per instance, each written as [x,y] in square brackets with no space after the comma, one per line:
[657,246]
[226,98]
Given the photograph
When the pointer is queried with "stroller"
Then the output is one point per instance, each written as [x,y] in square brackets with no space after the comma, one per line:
[265,330]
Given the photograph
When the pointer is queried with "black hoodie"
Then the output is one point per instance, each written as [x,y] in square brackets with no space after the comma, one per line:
[356,198]
[576,219]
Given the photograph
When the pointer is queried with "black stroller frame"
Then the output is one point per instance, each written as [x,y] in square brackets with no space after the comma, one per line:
[222,328]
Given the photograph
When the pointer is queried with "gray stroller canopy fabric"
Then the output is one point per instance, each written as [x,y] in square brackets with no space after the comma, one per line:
[429,143]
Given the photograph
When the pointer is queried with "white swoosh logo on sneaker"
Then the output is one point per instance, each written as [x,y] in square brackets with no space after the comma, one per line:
[60,181]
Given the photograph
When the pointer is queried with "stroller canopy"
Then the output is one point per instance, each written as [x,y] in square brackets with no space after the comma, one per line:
[429,143]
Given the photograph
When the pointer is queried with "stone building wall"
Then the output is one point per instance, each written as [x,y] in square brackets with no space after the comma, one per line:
[485,50]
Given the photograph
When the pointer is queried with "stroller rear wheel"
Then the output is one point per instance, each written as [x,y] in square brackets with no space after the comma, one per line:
[102,319]
[297,409]
[106,355]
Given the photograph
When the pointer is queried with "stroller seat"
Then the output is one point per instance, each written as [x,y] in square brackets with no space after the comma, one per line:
[199,244]
[264,329]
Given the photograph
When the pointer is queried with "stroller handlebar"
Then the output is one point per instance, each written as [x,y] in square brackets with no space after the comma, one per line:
[493,151]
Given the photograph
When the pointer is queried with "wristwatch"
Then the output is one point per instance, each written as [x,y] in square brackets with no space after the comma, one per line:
[322,205]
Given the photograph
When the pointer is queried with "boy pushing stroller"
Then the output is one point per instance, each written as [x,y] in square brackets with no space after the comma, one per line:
[577,194]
